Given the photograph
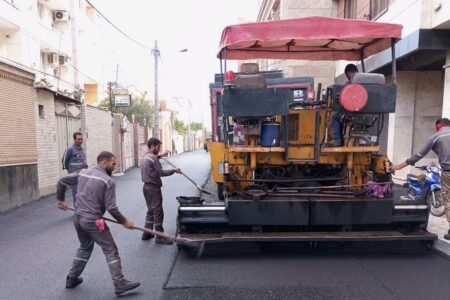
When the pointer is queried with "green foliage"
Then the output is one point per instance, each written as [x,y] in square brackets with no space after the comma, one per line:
[140,107]
[195,126]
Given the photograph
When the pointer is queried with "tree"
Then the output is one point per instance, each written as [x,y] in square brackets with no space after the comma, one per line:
[140,107]
[195,126]
[177,124]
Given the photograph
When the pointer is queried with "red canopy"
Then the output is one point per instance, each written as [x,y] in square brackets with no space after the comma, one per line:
[312,38]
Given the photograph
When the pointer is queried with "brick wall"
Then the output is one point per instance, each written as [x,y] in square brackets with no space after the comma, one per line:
[98,136]
[18,157]
[17,111]
[49,163]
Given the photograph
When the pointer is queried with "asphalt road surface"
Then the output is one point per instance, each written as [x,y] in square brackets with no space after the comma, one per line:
[37,244]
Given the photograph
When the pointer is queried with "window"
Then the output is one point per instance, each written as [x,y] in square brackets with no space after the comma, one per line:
[350,9]
[41,111]
[378,8]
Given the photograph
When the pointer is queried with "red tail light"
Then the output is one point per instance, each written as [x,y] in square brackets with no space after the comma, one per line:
[310,95]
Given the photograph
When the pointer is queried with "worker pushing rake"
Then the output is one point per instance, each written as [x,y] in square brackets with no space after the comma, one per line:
[96,195]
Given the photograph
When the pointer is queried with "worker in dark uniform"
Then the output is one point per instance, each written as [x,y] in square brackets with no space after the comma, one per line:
[336,123]
[96,194]
[74,159]
[151,172]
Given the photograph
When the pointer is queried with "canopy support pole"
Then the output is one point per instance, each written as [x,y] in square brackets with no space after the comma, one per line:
[394,63]
[363,66]
[221,70]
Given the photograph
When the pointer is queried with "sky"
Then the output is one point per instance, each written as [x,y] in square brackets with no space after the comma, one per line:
[195,25]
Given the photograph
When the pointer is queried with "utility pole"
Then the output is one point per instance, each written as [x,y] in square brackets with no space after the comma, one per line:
[110,96]
[189,126]
[156,54]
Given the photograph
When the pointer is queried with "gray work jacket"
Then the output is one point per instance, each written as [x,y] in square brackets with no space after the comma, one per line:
[96,193]
[74,159]
[152,171]
[440,144]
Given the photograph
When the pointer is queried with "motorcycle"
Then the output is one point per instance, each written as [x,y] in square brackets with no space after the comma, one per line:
[426,188]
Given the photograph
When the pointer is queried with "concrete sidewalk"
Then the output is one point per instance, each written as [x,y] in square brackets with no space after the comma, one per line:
[439,226]
[436,225]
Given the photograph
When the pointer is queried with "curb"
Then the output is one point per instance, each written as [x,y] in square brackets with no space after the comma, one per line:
[441,247]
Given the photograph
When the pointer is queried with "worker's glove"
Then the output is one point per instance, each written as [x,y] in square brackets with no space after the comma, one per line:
[100,224]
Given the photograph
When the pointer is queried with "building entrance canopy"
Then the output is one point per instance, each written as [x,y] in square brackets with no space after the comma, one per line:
[312,38]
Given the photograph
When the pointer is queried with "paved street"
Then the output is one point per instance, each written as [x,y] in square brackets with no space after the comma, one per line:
[38,243]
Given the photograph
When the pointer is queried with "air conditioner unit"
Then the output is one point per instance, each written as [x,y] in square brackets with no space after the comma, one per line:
[61,16]
[53,59]
[63,60]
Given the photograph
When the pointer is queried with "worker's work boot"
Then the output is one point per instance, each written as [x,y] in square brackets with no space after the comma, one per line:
[447,236]
[125,286]
[72,282]
[163,241]
[147,236]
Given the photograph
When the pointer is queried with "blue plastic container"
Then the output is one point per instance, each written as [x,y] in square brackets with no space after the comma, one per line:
[270,134]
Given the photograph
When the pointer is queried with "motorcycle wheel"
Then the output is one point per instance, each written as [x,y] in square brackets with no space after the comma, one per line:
[438,208]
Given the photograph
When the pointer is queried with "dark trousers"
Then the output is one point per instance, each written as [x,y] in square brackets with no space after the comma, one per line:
[88,234]
[336,125]
[155,213]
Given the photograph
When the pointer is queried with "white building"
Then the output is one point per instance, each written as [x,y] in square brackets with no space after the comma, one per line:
[57,39]
[423,60]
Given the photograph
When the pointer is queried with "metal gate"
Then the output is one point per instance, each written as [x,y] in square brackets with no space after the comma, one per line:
[68,121]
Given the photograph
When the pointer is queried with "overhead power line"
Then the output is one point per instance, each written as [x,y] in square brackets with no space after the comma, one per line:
[117,28]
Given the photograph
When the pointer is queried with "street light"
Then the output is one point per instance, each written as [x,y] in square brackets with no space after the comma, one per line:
[156,54]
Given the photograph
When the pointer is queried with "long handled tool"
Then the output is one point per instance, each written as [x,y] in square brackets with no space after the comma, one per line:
[188,178]
[198,245]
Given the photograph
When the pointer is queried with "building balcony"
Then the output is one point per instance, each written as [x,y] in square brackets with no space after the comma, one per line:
[56,4]
[10,17]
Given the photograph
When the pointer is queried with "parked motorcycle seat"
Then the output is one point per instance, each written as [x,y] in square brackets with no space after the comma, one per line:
[420,179]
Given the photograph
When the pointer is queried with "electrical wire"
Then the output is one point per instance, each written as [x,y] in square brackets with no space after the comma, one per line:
[117,28]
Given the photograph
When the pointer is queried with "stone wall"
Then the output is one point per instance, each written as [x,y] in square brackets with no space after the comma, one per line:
[419,105]
[98,132]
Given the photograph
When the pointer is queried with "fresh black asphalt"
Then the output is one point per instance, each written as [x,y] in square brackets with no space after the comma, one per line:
[37,244]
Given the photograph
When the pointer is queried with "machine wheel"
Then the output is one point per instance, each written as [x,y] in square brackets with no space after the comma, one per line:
[437,208]
[220,191]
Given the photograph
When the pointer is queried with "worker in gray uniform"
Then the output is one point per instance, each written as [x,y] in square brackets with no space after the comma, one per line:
[151,172]
[440,144]
[74,159]
[96,194]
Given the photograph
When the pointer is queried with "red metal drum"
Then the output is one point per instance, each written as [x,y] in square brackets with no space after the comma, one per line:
[353,97]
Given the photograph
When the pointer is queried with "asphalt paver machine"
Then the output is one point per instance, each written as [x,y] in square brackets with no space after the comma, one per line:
[278,180]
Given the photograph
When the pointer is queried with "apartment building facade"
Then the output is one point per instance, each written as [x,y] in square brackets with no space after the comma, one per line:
[43,87]
[423,60]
